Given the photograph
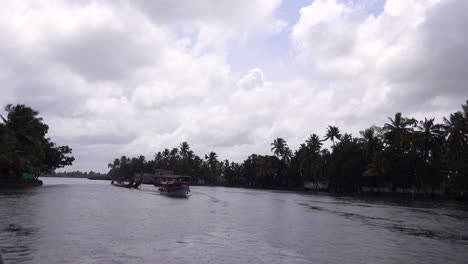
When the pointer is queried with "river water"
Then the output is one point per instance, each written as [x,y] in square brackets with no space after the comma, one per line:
[83,221]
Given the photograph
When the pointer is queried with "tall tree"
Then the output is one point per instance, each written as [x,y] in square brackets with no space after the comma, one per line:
[314,142]
[397,130]
[332,134]
[184,149]
[278,147]
[24,147]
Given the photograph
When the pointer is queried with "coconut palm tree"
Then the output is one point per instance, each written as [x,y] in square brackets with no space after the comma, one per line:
[212,161]
[333,133]
[371,141]
[314,143]
[141,161]
[430,134]
[158,158]
[115,164]
[457,137]
[184,149]
[278,147]
[397,129]
[166,156]
[456,130]
[287,155]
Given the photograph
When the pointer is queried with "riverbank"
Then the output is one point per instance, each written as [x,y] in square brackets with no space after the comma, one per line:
[460,196]
[9,183]
[457,196]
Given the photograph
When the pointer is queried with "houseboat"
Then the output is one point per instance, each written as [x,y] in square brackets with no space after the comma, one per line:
[175,185]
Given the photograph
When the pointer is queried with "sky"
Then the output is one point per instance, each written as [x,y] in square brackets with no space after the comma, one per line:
[132,77]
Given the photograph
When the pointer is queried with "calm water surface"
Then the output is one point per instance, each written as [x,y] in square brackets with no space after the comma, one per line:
[81,221]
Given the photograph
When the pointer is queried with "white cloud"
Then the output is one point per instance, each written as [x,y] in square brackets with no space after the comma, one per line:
[214,22]
[133,77]
[125,74]
[401,58]
[254,79]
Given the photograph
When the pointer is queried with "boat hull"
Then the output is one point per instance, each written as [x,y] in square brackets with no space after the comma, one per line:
[182,193]
[124,185]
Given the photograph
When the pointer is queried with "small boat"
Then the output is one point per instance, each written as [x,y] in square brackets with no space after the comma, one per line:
[176,187]
[131,184]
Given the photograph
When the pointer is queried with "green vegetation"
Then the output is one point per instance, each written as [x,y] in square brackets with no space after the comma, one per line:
[25,151]
[78,174]
[403,155]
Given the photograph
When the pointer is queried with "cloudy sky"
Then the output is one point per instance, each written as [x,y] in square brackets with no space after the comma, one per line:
[133,77]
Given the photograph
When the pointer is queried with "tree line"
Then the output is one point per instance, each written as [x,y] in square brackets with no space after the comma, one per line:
[25,149]
[403,154]
[78,174]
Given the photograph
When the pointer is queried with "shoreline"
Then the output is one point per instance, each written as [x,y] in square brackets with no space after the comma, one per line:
[303,190]
[19,184]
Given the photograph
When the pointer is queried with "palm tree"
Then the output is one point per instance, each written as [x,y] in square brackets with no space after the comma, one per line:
[347,138]
[173,158]
[212,160]
[278,147]
[333,133]
[314,142]
[114,164]
[166,158]
[174,153]
[430,134]
[400,154]
[456,129]
[429,140]
[371,141]
[190,154]
[397,129]
[158,157]
[287,155]
[457,137]
[184,151]
[368,135]
[141,160]
[184,148]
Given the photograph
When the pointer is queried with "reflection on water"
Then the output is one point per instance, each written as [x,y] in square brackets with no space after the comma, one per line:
[81,221]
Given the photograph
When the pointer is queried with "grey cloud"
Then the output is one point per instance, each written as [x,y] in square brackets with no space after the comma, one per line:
[436,65]
[100,85]
[395,62]
[34,86]
[105,54]
[227,139]
[115,138]
[208,10]
[93,157]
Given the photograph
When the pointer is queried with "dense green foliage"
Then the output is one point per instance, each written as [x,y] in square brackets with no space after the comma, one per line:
[25,147]
[403,154]
[78,174]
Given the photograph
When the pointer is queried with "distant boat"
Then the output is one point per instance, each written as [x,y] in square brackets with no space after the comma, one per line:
[176,186]
[131,184]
